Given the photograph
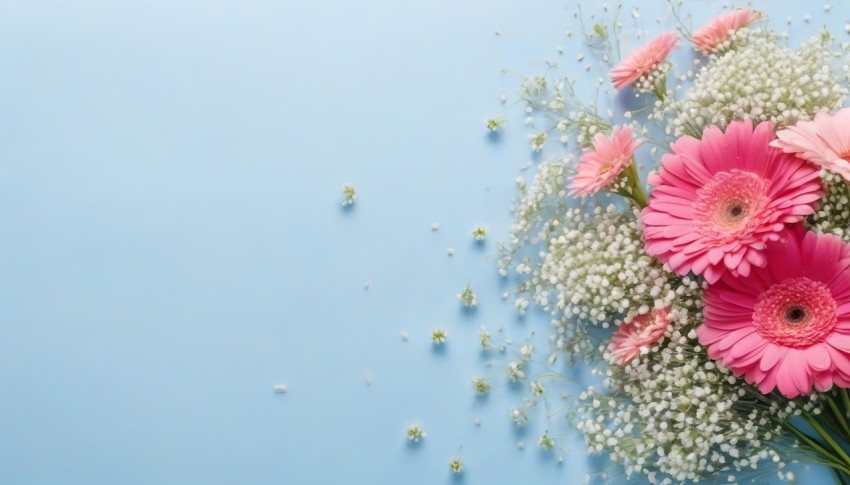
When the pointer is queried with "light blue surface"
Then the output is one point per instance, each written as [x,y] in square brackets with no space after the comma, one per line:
[172,242]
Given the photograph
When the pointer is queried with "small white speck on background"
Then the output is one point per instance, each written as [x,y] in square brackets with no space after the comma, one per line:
[281,388]
[370,378]
[367,285]
[435,226]
[404,336]
[450,251]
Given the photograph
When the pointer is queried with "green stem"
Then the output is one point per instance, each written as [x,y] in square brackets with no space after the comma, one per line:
[834,463]
[632,189]
[660,89]
[839,416]
[840,476]
[845,399]
[828,438]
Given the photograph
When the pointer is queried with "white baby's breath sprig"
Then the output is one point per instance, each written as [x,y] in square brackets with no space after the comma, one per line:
[468,297]
[439,336]
[349,195]
[415,433]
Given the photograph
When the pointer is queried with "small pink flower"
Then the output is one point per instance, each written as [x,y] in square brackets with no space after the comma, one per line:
[643,59]
[599,167]
[719,200]
[786,326]
[824,141]
[717,31]
[643,331]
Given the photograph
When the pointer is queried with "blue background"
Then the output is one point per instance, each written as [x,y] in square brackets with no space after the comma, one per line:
[173,244]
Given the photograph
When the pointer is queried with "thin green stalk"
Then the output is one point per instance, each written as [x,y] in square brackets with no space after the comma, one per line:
[840,476]
[660,88]
[633,190]
[839,416]
[833,460]
[828,438]
[845,399]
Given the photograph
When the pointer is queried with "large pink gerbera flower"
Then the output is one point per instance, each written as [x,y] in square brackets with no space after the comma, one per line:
[599,167]
[786,325]
[717,31]
[643,331]
[718,200]
[643,59]
[824,141]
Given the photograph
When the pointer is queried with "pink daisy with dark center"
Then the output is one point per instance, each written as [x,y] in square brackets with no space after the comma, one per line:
[785,326]
[719,200]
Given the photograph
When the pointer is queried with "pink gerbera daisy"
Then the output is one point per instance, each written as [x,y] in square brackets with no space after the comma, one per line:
[643,331]
[643,59]
[600,166]
[718,200]
[787,325]
[717,31]
[824,141]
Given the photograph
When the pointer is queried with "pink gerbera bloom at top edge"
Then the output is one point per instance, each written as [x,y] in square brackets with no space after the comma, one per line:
[600,166]
[824,141]
[643,331]
[718,30]
[643,59]
[787,325]
[718,200]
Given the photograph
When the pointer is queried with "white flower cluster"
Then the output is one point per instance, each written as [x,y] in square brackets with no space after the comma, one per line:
[762,80]
[535,210]
[833,216]
[653,81]
[597,270]
[677,416]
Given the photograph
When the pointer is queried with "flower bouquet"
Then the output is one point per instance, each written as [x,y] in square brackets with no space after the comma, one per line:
[713,302]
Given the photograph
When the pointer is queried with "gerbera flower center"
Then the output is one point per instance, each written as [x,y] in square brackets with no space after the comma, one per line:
[798,312]
[728,202]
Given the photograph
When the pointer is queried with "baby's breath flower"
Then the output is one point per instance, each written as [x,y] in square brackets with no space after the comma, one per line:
[468,297]
[546,442]
[537,389]
[760,79]
[480,385]
[479,233]
[415,433]
[456,465]
[833,214]
[494,124]
[538,140]
[350,195]
[484,338]
[439,336]
[519,416]
[515,370]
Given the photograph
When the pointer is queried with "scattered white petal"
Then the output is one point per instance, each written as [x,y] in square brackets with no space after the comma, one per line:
[435,226]
[281,388]
[405,336]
